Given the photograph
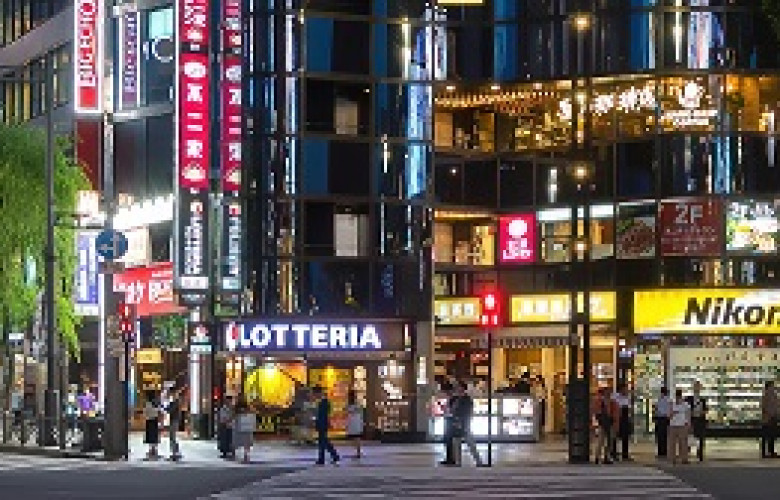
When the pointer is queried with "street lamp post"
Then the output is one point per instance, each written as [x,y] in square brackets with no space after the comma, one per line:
[581,170]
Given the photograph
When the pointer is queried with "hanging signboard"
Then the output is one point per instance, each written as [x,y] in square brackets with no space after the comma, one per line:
[193,151]
[88,56]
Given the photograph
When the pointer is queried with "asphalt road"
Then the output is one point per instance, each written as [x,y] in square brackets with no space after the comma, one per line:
[732,482]
[130,483]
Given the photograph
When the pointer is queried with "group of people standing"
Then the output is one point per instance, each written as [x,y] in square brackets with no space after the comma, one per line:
[612,418]
[677,419]
[153,416]
[237,424]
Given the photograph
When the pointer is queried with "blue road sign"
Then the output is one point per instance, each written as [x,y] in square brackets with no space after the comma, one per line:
[111,244]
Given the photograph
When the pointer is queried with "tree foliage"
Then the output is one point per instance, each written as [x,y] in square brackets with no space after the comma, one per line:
[23,228]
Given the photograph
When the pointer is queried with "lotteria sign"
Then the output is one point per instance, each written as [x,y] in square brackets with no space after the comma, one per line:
[721,311]
[313,336]
[88,56]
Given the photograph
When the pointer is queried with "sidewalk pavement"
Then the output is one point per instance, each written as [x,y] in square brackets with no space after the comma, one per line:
[550,451]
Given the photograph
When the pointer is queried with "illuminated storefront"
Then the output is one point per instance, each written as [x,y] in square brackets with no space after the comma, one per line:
[726,338]
[534,340]
[276,362]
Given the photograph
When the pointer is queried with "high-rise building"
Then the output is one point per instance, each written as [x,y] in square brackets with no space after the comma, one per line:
[400,159]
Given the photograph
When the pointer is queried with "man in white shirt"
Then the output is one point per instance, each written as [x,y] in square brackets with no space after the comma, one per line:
[663,411]
[679,425]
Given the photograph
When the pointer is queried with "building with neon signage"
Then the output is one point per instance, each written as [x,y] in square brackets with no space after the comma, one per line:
[399,151]
[374,161]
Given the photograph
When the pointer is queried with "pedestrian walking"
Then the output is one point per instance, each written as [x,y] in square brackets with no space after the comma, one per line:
[698,418]
[540,393]
[355,424]
[663,412]
[603,415]
[322,425]
[225,429]
[625,425]
[448,388]
[463,412]
[174,418]
[152,425]
[244,429]
[679,427]
[769,416]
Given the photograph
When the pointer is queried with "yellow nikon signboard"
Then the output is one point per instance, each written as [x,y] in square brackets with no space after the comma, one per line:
[720,311]
[554,307]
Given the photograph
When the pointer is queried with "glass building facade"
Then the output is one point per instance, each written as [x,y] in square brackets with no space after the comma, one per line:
[388,143]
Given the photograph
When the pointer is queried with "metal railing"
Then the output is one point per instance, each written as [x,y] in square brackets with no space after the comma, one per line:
[25,430]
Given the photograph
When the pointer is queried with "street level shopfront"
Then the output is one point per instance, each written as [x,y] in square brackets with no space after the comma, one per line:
[726,338]
[535,342]
[276,362]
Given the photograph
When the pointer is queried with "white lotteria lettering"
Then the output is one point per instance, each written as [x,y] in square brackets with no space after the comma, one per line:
[370,338]
[300,335]
[319,337]
[338,337]
[281,335]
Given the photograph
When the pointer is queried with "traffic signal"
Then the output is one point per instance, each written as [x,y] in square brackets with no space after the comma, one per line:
[126,317]
[490,309]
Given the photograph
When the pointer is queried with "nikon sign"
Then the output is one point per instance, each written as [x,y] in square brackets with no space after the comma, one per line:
[718,311]
[313,336]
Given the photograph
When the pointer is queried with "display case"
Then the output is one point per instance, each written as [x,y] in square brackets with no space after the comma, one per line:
[732,380]
[514,418]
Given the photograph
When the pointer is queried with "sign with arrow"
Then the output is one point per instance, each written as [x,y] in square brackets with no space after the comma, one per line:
[111,244]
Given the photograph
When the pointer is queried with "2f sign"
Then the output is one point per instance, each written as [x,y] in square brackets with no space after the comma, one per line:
[688,214]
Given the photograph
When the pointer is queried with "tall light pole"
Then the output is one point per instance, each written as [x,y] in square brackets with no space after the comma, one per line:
[578,400]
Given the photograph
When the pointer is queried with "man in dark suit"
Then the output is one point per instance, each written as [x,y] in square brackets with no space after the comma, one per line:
[449,423]
[698,417]
[322,424]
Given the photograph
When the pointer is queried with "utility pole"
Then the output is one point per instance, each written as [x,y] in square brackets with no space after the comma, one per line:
[52,400]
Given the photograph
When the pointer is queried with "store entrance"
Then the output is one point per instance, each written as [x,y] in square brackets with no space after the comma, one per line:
[279,391]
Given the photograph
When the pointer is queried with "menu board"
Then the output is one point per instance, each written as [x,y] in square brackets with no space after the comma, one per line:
[636,231]
[752,226]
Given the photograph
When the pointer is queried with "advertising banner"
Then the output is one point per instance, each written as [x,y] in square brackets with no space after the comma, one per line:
[715,311]
[194,125]
[88,56]
[193,116]
[555,307]
[86,300]
[231,22]
[635,233]
[129,69]
[231,124]
[149,288]
[460,311]
[198,338]
[752,227]
[691,227]
[517,239]
[307,335]
[231,246]
[193,242]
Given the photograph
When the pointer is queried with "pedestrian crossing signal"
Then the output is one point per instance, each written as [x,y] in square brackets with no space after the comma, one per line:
[126,316]
[490,310]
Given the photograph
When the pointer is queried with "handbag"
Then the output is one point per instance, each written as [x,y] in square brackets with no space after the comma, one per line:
[246,422]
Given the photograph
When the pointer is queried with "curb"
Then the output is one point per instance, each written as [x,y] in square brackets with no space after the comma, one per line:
[46,452]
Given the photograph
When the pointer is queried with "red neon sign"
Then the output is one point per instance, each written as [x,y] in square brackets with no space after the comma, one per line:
[88,39]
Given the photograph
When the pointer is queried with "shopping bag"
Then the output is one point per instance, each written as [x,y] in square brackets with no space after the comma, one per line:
[247,422]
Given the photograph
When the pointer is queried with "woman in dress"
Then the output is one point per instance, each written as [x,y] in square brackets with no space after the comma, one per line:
[243,433]
[152,427]
[354,422]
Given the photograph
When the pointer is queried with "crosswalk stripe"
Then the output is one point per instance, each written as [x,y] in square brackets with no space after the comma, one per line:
[563,482]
